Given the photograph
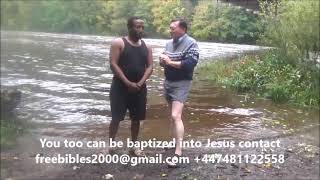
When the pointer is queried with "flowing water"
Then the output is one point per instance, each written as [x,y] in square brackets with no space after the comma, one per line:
[65,80]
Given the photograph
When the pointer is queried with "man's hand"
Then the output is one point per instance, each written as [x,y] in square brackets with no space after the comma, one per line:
[161,62]
[133,87]
[164,59]
[140,84]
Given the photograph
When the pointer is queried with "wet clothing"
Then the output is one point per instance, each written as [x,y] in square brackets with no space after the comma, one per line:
[133,62]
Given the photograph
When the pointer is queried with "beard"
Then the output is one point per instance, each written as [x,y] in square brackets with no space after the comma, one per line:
[136,35]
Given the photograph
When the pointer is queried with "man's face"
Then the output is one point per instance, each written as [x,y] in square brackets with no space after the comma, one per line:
[175,30]
[137,29]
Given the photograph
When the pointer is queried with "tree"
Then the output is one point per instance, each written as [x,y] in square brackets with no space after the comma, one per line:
[220,22]
[164,11]
[293,28]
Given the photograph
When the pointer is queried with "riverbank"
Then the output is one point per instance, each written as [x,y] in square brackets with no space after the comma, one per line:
[9,132]
[267,75]
[300,152]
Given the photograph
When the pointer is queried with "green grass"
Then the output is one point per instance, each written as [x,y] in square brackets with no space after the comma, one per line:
[267,75]
[9,132]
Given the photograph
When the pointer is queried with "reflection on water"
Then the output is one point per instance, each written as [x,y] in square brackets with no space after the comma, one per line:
[65,80]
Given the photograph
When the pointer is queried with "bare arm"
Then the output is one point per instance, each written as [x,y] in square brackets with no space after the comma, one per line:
[175,64]
[149,68]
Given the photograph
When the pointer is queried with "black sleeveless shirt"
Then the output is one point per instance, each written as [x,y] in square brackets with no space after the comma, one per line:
[133,60]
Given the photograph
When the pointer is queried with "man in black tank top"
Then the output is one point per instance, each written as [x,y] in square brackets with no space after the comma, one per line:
[131,63]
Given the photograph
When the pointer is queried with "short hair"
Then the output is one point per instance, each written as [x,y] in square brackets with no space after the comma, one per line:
[182,23]
[131,20]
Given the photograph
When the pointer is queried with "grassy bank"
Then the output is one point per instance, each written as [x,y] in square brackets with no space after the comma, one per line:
[9,132]
[267,75]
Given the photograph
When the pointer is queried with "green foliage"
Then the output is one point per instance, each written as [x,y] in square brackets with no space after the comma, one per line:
[208,20]
[268,76]
[219,71]
[164,11]
[14,14]
[221,22]
[143,9]
[8,133]
[53,16]
[293,27]
[289,72]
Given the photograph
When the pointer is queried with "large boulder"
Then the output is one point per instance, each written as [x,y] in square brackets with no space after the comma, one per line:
[10,98]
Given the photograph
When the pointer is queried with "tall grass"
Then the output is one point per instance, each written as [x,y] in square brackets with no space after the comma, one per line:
[267,76]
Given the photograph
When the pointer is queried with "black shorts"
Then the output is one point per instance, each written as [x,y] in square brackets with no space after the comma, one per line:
[121,101]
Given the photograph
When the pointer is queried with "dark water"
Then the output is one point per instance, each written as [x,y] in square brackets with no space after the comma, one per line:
[65,80]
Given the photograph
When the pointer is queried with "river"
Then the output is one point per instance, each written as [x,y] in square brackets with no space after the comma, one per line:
[65,80]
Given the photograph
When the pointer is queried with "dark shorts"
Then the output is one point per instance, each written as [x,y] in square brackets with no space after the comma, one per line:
[121,101]
[177,90]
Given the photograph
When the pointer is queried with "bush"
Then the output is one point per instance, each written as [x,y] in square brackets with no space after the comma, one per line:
[283,82]
[269,76]
[9,132]
[293,27]
[221,22]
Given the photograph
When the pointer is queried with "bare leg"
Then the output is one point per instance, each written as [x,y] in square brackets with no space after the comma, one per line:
[113,129]
[176,113]
[135,126]
[171,129]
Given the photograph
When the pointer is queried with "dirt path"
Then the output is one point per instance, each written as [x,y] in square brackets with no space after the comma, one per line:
[301,154]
